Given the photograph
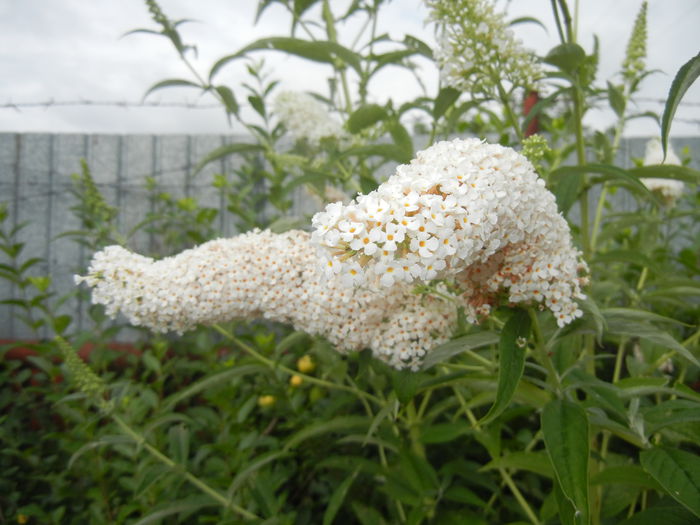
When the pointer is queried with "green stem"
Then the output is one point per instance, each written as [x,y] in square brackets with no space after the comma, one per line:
[467,411]
[598,217]
[510,115]
[642,278]
[519,496]
[210,491]
[581,159]
[414,429]
[541,351]
[275,365]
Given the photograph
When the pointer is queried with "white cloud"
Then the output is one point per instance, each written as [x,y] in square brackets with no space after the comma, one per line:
[72,50]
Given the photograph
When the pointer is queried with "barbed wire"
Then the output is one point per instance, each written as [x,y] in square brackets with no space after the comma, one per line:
[193,105]
[108,103]
[663,101]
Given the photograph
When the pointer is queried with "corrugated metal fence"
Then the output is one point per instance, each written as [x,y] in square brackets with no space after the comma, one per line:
[35,182]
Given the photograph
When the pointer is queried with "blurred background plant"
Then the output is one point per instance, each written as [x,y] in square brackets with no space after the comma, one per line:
[598,422]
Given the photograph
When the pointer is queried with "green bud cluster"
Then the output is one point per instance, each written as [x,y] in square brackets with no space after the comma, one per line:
[157,14]
[633,65]
[96,210]
[82,375]
[535,147]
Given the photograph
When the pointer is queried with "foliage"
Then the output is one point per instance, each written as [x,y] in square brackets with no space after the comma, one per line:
[512,421]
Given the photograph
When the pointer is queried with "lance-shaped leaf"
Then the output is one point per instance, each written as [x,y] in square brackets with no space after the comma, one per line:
[511,361]
[565,431]
[318,51]
[685,77]
[678,472]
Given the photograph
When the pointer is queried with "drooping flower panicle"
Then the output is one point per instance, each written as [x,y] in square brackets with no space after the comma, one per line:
[272,276]
[670,190]
[306,118]
[473,213]
[476,48]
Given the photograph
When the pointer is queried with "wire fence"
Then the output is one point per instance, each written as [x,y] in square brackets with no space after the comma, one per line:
[35,184]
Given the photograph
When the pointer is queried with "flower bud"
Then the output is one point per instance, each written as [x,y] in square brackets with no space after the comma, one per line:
[306,364]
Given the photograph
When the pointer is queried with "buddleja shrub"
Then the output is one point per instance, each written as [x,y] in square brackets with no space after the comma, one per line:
[485,336]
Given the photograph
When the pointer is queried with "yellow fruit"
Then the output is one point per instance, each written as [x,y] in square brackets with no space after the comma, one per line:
[266,401]
[296,380]
[305,364]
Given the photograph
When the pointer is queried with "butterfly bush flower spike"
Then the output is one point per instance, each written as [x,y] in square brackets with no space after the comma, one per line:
[306,118]
[669,190]
[476,48]
[473,214]
[271,276]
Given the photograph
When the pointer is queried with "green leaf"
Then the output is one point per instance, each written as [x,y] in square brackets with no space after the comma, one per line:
[631,475]
[640,386]
[252,466]
[685,77]
[617,99]
[190,504]
[338,424]
[536,462]
[257,104]
[179,443]
[666,171]
[662,513]
[171,82]
[671,413]
[402,139]
[444,101]
[61,322]
[337,498]
[444,432]
[367,515]
[678,472]
[648,332]
[210,382]
[418,45]
[366,116]
[567,57]
[101,442]
[638,315]
[405,383]
[527,20]
[511,361]
[565,431]
[228,98]
[567,189]
[317,51]
[151,362]
[457,346]
[224,151]
[609,173]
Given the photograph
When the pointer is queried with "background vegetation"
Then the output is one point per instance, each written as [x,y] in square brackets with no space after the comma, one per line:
[598,422]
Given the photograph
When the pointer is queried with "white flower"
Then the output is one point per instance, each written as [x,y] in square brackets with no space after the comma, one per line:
[306,118]
[277,277]
[476,47]
[670,190]
[393,234]
[484,221]
[367,241]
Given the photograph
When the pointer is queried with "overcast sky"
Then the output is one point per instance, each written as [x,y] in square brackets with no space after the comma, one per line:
[68,50]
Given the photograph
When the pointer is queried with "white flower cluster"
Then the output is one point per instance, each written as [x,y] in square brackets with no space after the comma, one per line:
[463,210]
[306,118]
[670,190]
[265,275]
[476,48]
